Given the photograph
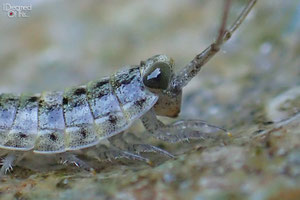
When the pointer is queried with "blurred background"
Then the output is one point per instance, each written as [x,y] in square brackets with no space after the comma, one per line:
[58,44]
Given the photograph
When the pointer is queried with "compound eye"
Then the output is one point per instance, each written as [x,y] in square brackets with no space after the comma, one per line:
[158,76]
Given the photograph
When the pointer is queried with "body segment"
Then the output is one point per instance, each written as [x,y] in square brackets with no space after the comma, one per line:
[9,104]
[51,125]
[23,131]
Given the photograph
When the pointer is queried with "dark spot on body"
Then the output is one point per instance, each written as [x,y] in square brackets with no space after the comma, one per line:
[83,133]
[140,102]
[132,69]
[53,137]
[78,103]
[41,102]
[125,79]
[79,91]
[101,94]
[99,89]
[22,135]
[101,83]
[112,119]
[33,99]
[12,99]
[142,63]
[194,71]
[65,100]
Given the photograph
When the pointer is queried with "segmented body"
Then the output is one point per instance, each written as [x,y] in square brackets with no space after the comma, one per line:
[55,122]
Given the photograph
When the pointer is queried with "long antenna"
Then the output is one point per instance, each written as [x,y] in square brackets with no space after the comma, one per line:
[182,78]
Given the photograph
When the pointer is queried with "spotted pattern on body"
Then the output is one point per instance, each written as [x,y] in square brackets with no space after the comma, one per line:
[79,117]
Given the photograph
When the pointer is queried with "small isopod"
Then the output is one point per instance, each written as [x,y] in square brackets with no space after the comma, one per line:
[63,123]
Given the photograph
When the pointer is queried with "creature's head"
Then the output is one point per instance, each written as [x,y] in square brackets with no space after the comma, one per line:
[157,74]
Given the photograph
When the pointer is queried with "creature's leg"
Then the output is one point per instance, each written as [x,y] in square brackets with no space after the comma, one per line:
[119,142]
[112,153]
[71,159]
[182,130]
[187,73]
[9,161]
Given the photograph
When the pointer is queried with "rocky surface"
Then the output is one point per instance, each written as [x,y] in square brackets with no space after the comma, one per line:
[251,87]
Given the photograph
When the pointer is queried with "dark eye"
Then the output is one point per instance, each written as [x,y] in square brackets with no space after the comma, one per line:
[158,76]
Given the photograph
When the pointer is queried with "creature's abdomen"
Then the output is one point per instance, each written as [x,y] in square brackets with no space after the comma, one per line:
[80,117]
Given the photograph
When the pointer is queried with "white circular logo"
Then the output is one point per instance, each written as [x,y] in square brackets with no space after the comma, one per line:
[11,13]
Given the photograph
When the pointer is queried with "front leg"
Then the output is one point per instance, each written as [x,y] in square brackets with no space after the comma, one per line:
[182,130]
